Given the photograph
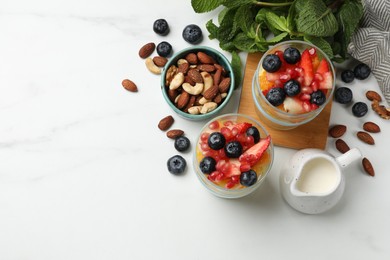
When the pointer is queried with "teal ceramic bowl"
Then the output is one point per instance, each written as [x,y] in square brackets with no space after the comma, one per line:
[220,59]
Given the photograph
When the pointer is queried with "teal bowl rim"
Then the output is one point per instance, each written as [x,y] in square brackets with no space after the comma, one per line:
[210,51]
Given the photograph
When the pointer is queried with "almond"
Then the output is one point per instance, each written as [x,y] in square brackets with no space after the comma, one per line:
[211,92]
[192,58]
[373,95]
[367,166]
[218,99]
[183,67]
[172,94]
[342,146]
[371,127]
[206,67]
[204,58]
[224,85]
[190,103]
[187,79]
[195,76]
[337,131]
[146,50]
[160,61]
[365,137]
[129,85]
[217,76]
[174,133]
[183,100]
[165,123]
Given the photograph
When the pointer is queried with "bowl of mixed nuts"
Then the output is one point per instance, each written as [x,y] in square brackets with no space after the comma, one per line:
[197,82]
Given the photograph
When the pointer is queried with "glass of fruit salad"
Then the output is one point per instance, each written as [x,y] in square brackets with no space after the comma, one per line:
[233,155]
[293,83]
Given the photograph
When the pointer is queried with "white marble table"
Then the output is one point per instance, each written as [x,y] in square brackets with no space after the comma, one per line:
[83,165]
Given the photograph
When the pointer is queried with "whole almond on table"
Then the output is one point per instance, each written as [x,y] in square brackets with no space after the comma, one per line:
[337,131]
[147,50]
[365,137]
[129,85]
[165,123]
[342,146]
[367,166]
[371,127]
[174,133]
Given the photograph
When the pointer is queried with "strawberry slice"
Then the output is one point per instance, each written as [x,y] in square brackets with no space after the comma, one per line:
[307,66]
[240,128]
[327,82]
[323,67]
[229,168]
[253,154]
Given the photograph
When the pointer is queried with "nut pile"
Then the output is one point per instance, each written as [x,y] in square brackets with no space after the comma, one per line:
[197,84]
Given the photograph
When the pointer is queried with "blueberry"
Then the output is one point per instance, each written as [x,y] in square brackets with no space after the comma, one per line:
[317,97]
[362,71]
[359,109]
[347,76]
[343,95]
[276,96]
[182,143]
[233,149]
[254,132]
[161,27]
[207,165]
[292,88]
[291,55]
[248,178]
[192,34]
[271,63]
[164,49]
[176,164]
[216,141]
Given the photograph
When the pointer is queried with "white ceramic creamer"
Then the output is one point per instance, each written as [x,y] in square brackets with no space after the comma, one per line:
[312,180]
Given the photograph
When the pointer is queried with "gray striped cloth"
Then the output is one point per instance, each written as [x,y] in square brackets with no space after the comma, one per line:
[371,42]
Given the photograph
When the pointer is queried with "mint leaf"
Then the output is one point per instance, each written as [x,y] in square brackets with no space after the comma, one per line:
[277,22]
[212,29]
[203,6]
[315,18]
[227,46]
[236,3]
[221,15]
[291,18]
[236,66]
[244,43]
[227,28]
[244,17]
[278,38]
[320,43]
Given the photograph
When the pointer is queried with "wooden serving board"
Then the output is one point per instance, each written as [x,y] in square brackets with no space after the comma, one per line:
[310,135]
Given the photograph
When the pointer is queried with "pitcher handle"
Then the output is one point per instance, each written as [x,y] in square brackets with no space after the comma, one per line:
[347,158]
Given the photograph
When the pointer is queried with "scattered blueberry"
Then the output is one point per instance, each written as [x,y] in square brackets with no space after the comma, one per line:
[161,27]
[182,143]
[347,76]
[317,97]
[164,49]
[271,63]
[176,164]
[233,149]
[276,96]
[343,95]
[207,165]
[216,141]
[359,109]
[292,88]
[248,178]
[254,132]
[291,55]
[192,34]
[362,71]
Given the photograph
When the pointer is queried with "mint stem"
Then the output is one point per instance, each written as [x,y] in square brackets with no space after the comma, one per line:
[273,4]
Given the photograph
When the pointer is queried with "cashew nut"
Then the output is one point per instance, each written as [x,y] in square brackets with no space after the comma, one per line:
[203,101]
[181,61]
[195,110]
[193,90]
[177,80]
[152,67]
[207,80]
[208,107]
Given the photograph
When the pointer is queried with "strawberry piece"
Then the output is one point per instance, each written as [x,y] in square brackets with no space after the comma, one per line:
[323,67]
[253,154]
[307,66]
[228,168]
[240,128]
[327,82]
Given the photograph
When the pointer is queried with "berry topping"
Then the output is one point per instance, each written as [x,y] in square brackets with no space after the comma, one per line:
[207,165]
[271,63]
[192,34]
[359,109]
[164,49]
[254,132]
[347,76]
[275,96]
[248,178]
[233,149]
[318,97]
[253,154]
[216,141]
[292,88]
[292,55]
[182,143]
[362,71]
[307,66]
[161,27]
[176,164]
[343,95]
